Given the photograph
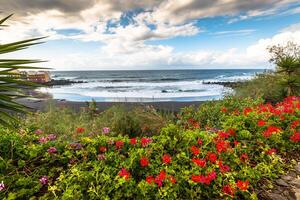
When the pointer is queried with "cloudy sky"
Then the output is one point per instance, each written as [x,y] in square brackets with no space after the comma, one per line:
[152,34]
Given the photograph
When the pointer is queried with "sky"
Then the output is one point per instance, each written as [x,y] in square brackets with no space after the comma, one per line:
[151,34]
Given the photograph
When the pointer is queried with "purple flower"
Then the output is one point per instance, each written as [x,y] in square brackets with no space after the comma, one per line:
[76,146]
[101,157]
[51,137]
[2,186]
[43,140]
[106,130]
[44,180]
[38,132]
[52,150]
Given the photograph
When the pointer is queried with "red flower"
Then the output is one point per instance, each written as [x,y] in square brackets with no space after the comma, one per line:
[223,135]
[270,131]
[195,150]
[199,142]
[236,142]
[232,131]
[295,137]
[150,179]
[223,109]
[228,189]
[242,185]
[204,179]
[133,141]
[80,130]
[247,110]
[145,141]
[244,157]
[124,173]
[172,179]
[295,124]
[119,144]
[102,149]
[144,162]
[166,159]
[212,157]
[222,146]
[199,162]
[271,151]
[223,168]
[261,123]
[160,178]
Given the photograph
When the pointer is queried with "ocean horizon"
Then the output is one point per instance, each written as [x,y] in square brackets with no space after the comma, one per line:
[147,85]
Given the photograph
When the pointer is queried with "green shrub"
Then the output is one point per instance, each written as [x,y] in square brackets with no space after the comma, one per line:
[183,162]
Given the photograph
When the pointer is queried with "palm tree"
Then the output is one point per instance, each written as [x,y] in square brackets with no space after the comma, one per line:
[11,83]
[287,61]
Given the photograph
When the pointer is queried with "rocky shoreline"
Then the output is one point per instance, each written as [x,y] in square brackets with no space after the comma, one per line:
[226,84]
[54,82]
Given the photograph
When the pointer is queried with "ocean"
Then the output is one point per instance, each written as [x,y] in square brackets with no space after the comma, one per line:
[147,85]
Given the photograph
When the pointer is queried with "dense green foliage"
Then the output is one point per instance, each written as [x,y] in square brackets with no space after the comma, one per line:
[137,121]
[243,142]
[11,82]
[283,82]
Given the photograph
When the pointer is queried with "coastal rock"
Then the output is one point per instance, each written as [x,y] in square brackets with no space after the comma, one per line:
[281,183]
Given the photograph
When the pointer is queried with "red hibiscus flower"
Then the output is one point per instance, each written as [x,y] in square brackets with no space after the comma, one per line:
[199,162]
[166,159]
[124,173]
[144,162]
[261,123]
[102,149]
[242,185]
[80,130]
[229,190]
[119,144]
[204,179]
[133,141]
[195,150]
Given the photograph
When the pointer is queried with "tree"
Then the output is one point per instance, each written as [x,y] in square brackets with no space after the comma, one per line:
[11,83]
[287,61]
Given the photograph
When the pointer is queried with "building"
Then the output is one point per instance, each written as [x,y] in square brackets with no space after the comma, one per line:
[38,76]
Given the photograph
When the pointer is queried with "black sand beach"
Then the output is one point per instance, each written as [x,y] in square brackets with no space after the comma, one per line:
[41,104]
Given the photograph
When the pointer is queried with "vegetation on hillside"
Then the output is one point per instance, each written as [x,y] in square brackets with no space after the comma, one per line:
[283,82]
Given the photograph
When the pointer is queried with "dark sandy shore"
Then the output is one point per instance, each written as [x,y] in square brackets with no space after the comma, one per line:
[42,105]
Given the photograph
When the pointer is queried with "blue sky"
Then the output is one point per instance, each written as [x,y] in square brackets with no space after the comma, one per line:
[152,34]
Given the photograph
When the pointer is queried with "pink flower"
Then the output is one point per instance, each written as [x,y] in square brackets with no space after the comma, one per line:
[44,180]
[38,132]
[145,141]
[124,173]
[43,140]
[52,150]
[2,186]
[101,157]
[106,130]
[51,137]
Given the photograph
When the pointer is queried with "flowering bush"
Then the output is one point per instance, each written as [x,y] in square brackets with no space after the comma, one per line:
[184,161]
